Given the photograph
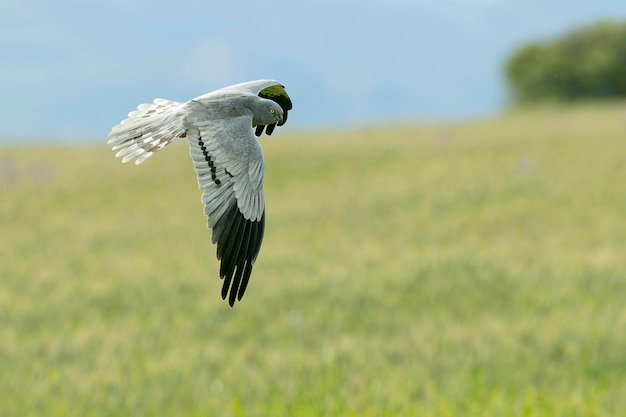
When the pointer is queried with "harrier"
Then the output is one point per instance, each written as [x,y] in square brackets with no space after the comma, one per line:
[220,127]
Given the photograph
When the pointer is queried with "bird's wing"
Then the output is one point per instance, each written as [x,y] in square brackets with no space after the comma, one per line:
[229,164]
[269,89]
[148,129]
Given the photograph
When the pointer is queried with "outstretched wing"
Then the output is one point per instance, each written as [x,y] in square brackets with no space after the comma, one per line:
[269,89]
[147,130]
[229,164]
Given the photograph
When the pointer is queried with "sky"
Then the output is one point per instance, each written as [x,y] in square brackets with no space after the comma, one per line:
[70,70]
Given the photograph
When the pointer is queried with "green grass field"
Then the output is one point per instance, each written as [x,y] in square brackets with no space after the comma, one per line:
[476,269]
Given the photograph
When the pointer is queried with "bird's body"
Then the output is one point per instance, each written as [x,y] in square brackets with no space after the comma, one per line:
[227,157]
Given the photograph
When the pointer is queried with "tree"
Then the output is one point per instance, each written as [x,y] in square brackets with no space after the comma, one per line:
[589,63]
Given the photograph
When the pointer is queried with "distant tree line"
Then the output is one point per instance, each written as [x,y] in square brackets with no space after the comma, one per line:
[589,63]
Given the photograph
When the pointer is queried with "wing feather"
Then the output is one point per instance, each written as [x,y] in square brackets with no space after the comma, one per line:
[229,165]
[147,130]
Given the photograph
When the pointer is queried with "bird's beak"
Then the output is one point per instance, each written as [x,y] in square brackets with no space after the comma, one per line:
[283,119]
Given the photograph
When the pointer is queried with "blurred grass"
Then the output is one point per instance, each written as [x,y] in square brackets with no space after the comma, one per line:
[476,269]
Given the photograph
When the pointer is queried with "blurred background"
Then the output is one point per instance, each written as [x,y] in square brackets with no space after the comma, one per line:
[445,229]
[72,69]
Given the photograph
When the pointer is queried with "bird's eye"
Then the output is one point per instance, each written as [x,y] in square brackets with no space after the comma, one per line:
[272,111]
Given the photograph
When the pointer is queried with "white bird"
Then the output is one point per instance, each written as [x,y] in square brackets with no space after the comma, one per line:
[227,157]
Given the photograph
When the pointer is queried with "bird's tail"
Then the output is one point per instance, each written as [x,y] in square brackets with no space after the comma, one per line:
[148,129]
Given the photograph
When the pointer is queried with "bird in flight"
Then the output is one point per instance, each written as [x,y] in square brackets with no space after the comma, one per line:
[220,127]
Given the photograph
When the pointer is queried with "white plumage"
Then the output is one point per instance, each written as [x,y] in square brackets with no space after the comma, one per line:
[228,159]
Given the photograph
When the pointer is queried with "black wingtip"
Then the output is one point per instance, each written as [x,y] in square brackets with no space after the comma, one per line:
[259,130]
[238,244]
[231,300]
[244,280]
[225,287]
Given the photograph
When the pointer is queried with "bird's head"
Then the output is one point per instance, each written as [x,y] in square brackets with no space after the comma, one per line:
[268,112]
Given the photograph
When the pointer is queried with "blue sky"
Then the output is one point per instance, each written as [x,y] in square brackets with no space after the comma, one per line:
[72,69]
